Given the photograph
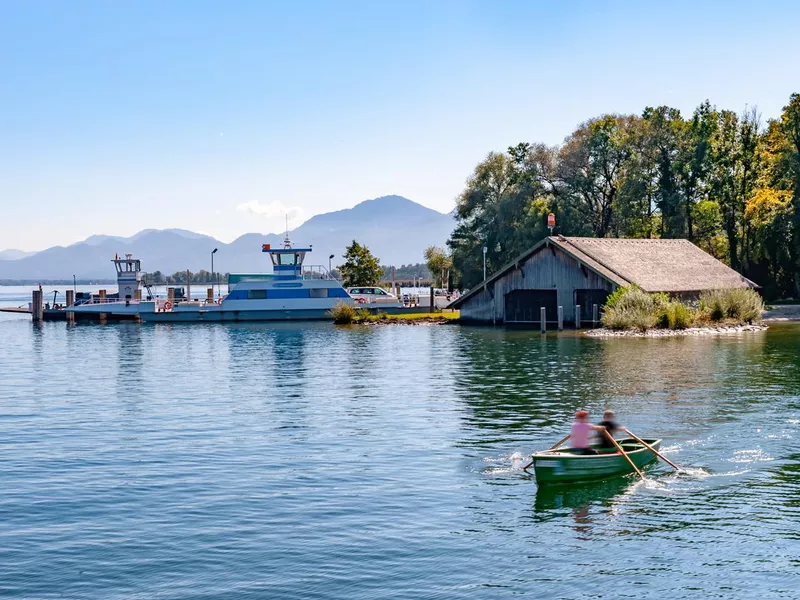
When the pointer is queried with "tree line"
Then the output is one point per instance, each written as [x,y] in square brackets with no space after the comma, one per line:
[727,181]
[179,277]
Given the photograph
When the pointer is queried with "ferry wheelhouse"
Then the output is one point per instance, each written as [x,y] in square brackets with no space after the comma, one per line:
[293,292]
[125,304]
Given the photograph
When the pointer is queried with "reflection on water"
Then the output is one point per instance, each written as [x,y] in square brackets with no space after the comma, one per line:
[306,460]
[601,493]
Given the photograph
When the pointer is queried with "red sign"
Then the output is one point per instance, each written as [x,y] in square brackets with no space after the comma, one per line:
[265,247]
[551,220]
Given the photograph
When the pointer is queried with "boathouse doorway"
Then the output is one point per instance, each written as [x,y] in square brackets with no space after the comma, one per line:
[525,306]
[586,299]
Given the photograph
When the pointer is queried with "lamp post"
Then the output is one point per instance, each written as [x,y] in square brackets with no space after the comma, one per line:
[330,258]
[213,252]
[485,250]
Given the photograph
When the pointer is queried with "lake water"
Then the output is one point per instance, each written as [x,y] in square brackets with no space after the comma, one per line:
[312,461]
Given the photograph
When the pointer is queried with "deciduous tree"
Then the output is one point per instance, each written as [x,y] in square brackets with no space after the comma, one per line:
[360,266]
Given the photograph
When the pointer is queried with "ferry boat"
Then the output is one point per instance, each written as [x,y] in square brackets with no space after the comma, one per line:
[125,304]
[293,292]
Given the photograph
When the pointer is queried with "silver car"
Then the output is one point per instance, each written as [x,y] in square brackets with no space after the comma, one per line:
[374,296]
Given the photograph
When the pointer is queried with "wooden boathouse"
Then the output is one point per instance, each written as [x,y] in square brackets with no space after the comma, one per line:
[571,277]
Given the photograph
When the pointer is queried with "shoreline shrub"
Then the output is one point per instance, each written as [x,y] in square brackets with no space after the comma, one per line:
[741,305]
[343,313]
[677,315]
[632,308]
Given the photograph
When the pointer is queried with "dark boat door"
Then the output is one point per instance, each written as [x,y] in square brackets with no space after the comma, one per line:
[524,306]
[586,299]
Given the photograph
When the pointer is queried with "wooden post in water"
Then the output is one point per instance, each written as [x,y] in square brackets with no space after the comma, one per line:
[210,295]
[595,318]
[561,318]
[171,294]
[431,309]
[577,316]
[102,294]
[37,307]
[137,295]
[543,317]
[188,285]
[70,302]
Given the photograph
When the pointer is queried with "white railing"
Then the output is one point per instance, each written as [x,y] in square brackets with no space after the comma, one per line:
[98,300]
[317,272]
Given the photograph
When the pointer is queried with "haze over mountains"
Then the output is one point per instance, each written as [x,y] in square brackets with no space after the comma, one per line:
[395,229]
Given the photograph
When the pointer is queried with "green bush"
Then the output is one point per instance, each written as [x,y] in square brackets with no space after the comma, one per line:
[740,305]
[343,313]
[677,315]
[615,296]
[714,304]
[632,308]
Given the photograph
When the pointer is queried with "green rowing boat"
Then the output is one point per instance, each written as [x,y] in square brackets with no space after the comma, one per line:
[566,465]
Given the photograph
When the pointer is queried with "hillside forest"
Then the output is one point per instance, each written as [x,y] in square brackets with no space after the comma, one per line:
[727,181]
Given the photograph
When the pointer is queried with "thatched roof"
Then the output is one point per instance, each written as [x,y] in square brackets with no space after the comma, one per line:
[655,265]
[674,266]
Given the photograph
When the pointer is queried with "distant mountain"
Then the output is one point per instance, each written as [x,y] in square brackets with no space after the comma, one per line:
[12,254]
[394,228]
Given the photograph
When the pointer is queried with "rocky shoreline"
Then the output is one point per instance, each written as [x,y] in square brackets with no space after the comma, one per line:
[415,321]
[691,331]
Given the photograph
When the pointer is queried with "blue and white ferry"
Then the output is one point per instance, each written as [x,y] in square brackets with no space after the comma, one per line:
[292,292]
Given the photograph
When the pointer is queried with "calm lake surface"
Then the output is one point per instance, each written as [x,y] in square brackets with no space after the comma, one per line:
[310,461]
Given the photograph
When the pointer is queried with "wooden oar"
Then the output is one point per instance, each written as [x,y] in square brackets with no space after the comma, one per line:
[653,450]
[621,451]
[557,444]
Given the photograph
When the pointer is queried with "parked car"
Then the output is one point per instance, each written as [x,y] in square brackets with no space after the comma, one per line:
[373,296]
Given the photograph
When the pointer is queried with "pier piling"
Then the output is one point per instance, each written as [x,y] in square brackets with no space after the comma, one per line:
[561,318]
[37,306]
[595,313]
[70,302]
[543,318]
[577,316]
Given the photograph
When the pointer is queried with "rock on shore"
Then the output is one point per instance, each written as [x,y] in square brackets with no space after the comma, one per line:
[712,330]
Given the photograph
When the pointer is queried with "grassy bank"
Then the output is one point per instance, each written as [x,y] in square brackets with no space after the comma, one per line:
[345,314]
[632,309]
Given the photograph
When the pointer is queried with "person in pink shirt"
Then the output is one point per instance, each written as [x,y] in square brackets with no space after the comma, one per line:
[581,431]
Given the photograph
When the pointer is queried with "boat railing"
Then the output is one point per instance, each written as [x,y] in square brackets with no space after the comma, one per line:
[98,300]
[317,272]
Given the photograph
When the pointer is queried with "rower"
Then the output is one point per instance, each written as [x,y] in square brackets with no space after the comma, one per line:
[579,437]
[611,426]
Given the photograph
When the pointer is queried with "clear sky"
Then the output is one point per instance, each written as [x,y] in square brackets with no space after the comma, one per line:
[220,116]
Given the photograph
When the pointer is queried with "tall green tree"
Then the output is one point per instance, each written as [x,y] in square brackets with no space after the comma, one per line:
[790,125]
[693,166]
[591,165]
[439,264]
[360,266]
[666,130]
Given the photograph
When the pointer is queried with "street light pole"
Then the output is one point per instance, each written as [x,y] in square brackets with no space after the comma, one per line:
[213,252]
[485,250]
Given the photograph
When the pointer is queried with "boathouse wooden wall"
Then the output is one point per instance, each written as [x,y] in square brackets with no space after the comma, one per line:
[547,269]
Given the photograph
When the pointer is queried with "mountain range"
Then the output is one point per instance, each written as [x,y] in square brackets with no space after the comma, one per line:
[394,228]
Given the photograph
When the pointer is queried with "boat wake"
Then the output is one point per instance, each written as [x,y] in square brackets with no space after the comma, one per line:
[505,464]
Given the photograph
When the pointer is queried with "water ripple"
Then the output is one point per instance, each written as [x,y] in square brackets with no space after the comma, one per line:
[309,461]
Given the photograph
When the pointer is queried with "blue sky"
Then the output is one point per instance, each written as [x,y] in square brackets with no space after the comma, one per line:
[220,117]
